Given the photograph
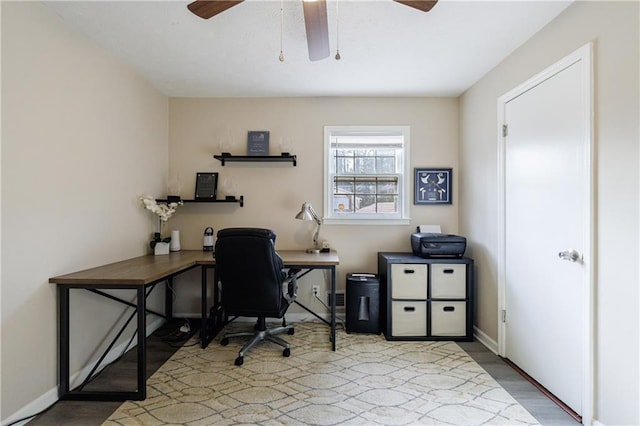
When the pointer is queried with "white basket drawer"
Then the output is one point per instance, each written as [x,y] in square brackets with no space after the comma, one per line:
[408,281]
[409,319]
[448,281]
[448,318]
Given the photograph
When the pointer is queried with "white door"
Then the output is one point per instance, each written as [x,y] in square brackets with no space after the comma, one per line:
[547,224]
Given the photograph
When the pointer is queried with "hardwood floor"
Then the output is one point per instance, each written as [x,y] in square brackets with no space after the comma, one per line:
[538,404]
[85,413]
[121,375]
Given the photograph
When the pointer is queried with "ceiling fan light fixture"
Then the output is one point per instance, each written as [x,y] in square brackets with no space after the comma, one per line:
[337,32]
[281,56]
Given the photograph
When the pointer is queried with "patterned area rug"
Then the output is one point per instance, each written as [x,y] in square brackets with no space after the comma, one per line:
[367,381]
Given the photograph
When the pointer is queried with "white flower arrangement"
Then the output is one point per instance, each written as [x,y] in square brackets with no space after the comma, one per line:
[164,212]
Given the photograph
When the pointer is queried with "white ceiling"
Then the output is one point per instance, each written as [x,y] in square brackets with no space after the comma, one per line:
[387,49]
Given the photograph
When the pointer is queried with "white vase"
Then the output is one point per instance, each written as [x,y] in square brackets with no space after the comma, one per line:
[174,245]
[161,248]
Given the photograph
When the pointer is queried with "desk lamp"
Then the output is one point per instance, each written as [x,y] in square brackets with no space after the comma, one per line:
[308,213]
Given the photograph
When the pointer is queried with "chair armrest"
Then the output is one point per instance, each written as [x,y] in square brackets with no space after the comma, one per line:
[291,285]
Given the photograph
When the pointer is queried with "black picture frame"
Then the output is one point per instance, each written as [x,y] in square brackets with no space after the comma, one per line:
[432,186]
[206,186]
[258,142]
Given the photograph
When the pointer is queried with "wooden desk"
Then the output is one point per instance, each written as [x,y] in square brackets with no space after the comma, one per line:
[142,274]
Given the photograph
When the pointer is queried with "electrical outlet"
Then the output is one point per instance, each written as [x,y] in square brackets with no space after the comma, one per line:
[315,289]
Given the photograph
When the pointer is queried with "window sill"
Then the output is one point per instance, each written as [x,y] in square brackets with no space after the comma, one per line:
[377,222]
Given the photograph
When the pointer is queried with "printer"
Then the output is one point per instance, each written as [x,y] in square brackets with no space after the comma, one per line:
[431,244]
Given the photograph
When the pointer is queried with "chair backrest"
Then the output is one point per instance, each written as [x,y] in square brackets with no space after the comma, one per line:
[250,273]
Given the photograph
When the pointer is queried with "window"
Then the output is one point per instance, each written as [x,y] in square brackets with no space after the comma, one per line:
[366,177]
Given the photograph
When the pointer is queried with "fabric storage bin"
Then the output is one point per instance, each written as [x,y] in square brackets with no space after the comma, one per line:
[409,281]
[448,318]
[448,281]
[409,318]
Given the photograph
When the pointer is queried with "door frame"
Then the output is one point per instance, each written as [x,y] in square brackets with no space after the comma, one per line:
[584,56]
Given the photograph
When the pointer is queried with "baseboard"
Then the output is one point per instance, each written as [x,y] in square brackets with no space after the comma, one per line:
[51,396]
[293,318]
[487,341]
[35,406]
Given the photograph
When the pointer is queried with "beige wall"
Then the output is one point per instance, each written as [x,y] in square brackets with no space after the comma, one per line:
[82,138]
[274,193]
[613,28]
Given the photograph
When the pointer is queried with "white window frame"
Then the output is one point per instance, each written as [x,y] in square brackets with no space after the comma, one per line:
[404,187]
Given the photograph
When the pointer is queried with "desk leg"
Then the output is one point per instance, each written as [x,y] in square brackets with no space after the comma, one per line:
[142,343]
[63,350]
[333,308]
[168,299]
[204,316]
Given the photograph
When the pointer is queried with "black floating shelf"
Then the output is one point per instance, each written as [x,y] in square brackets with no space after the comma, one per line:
[239,200]
[284,158]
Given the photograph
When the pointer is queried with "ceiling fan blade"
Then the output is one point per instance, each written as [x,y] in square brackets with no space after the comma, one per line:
[423,5]
[315,21]
[208,8]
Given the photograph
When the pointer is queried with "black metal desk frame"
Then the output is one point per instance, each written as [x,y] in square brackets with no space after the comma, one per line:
[140,311]
[143,289]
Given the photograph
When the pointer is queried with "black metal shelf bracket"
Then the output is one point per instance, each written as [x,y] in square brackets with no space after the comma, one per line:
[285,157]
[227,199]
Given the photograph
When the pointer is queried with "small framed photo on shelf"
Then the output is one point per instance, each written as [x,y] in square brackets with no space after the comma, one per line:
[206,186]
[258,142]
[432,186]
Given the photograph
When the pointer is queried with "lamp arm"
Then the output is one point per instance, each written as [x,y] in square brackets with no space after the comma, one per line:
[315,236]
[315,216]
[319,222]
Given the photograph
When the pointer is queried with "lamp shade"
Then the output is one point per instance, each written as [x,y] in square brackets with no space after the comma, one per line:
[305,213]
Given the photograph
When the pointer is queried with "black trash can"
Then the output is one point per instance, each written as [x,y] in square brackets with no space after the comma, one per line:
[363,304]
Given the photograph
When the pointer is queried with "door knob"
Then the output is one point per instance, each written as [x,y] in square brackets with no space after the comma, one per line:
[570,255]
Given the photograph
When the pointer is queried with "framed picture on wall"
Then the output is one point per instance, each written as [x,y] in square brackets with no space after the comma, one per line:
[432,186]
[258,142]
[206,186]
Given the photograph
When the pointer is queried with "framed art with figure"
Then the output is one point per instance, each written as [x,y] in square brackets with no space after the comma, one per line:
[432,186]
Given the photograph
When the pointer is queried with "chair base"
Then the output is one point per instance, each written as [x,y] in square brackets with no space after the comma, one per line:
[260,334]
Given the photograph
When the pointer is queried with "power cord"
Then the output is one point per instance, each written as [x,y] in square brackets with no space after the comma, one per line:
[181,334]
[339,320]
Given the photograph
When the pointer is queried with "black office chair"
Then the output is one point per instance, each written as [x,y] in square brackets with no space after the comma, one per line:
[253,283]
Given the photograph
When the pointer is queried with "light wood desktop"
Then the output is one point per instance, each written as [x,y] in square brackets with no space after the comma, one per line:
[142,274]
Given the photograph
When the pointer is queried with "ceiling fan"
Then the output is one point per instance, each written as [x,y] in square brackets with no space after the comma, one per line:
[315,19]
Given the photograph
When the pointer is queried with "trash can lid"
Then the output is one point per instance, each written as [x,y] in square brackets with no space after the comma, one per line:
[360,276]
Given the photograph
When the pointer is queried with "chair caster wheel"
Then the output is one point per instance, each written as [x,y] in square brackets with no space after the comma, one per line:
[290,331]
[224,341]
[239,361]
[286,353]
